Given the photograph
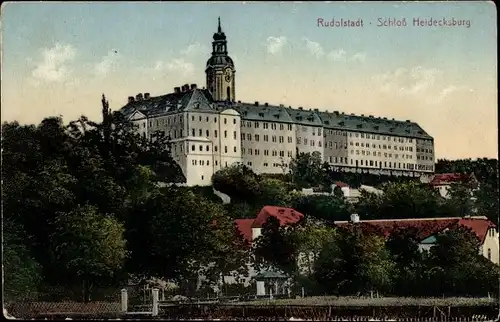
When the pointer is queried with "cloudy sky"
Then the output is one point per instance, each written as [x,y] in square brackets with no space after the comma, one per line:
[58,58]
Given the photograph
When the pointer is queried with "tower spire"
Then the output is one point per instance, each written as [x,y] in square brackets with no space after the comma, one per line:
[219,29]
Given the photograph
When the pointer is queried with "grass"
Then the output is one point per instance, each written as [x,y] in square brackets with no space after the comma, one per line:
[383,301]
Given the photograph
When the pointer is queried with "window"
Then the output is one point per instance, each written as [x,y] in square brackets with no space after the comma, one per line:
[266,137]
[193,133]
[234,121]
[208,148]
[489,253]
[202,177]
[193,147]
[215,148]
[234,135]
[225,120]
[192,118]
[273,138]
[199,118]
[225,134]
[282,127]
[216,162]
[200,131]
[208,134]
[225,149]
[257,137]
[249,137]
[290,139]
[234,149]
[201,147]
[215,132]
[215,120]
[281,139]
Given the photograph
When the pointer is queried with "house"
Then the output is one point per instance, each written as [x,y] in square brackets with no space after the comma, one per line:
[428,228]
[251,229]
[443,181]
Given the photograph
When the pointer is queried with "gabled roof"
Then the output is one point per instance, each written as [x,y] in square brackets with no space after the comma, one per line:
[245,228]
[449,178]
[425,227]
[285,216]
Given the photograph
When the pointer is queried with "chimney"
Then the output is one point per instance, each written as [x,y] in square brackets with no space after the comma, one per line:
[355,218]
[177,90]
[185,87]
[266,104]
[300,108]
[316,110]
[146,96]
[138,97]
[239,101]
[256,103]
[193,86]
[130,99]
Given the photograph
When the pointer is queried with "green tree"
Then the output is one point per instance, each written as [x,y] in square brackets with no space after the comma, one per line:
[276,247]
[403,246]
[239,182]
[88,247]
[402,200]
[456,254]
[21,273]
[308,170]
[324,207]
[356,263]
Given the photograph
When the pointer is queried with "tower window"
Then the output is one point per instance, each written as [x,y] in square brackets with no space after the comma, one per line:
[228,93]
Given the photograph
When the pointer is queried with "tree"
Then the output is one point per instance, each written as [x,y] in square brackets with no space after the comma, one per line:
[329,208]
[276,247]
[456,254]
[308,170]
[402,200]
[238,181]
[88,247]
[461,200]
[21,273]
[403,246]
[357,262]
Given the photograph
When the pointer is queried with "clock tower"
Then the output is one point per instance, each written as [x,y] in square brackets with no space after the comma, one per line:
[220,69]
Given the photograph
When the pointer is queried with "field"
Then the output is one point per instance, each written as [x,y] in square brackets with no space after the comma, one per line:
[366,301]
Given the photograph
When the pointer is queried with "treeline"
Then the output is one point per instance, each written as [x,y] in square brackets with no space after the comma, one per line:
[83,211]
[402,197]
[353,260]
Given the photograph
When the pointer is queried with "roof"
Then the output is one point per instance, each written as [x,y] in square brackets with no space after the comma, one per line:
[341,184]
[448,178]
[245,228]
[201,100]
[425,227]
[284,215]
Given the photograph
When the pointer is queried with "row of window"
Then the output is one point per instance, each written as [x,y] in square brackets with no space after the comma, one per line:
[265,125]
[274,153]
[205,162]
[207,132]
[424,158]
[167,121]
[207,148]
[274,138]
[208,120]
[378,137]
[381,146]
[311,142]
[386,155]
[424,150]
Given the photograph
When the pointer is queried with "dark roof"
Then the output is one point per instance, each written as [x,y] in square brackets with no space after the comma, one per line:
[425,227]
[448,178]
[201,100]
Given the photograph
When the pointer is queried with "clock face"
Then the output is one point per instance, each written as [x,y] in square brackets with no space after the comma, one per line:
[228,73]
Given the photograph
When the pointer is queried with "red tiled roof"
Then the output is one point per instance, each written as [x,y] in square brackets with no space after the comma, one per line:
[426,227]
[245,228]
[447,178]
[284,215]
[341,184]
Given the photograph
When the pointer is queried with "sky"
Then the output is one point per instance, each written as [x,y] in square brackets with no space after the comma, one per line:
[59,58]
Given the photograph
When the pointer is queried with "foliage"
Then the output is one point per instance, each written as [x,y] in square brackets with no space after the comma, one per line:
[308,170]
[402,200]
[356,262]
[87,246]
[323,207]
[276,247]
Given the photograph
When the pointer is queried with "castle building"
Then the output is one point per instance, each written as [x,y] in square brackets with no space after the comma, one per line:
[210,130]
